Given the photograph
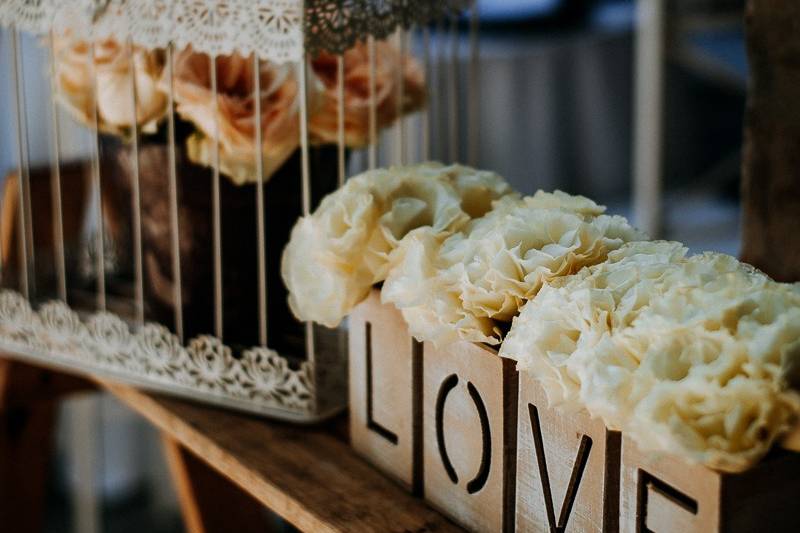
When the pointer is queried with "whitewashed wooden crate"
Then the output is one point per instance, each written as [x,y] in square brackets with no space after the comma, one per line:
[385,399]
[567,468]
[664,493]
[469,397]
[460,426]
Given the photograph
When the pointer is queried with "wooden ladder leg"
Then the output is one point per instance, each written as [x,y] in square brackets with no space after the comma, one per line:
[210,502]
[26,442]
[28,402]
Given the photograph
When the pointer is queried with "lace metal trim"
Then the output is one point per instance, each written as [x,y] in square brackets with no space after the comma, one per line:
[261,381]
[278,30]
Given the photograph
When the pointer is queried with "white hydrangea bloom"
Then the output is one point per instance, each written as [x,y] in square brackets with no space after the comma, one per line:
[689,355]
[466,286]
[338,253]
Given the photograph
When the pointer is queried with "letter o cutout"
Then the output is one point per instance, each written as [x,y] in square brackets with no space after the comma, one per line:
[480,479]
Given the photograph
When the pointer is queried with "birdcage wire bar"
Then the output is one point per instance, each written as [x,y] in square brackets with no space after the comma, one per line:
[89,322]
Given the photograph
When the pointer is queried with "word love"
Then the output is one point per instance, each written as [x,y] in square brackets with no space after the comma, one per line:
[460,427]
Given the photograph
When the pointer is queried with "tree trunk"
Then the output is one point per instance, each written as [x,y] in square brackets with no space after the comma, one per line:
[771,165]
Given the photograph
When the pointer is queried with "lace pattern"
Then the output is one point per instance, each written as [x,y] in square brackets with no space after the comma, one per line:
[261,381]
[278,30]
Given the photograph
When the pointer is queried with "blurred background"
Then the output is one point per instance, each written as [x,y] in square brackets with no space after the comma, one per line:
[564,101]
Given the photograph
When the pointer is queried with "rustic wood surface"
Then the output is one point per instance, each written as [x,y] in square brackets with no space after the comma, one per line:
[469,424]
[306,475]
[771,166]
[384,401]
[567,467]
[209,502]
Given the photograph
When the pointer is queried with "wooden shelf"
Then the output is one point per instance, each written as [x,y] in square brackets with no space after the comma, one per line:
[307,475]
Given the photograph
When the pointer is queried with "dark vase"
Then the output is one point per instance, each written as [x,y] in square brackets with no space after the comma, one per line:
[239,223]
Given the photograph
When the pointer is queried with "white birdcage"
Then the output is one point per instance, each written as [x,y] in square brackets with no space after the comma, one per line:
[143,213]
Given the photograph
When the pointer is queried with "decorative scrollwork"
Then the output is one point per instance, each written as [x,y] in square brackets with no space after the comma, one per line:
[278,30]
[260,380]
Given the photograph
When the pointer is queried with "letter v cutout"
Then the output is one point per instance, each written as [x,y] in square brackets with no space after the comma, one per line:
[575,479]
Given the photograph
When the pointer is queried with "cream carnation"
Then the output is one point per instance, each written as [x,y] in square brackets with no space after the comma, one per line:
[338,253]
[574,314]
[481,276]
[104,79]
[685,355]
[560,200]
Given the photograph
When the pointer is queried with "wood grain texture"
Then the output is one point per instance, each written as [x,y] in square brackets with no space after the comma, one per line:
[674,479]
[567,468]
[666,494]
[384,362]
[771,166]
[303,474]
[469,426]
[209,502]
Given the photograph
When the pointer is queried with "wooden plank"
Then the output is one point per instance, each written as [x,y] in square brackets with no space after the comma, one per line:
[207,497]
[304,474]
[469,423]
[770,184]
[384,370]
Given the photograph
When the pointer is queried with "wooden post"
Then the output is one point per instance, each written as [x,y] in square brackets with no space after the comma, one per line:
[771,165]
[26,442]
[27,414]
[470,424]
[385,399]
[648,129]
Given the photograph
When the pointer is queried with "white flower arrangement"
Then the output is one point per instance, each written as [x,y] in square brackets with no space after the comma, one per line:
[349,243]
[467,286]
[691,355]
[688,355]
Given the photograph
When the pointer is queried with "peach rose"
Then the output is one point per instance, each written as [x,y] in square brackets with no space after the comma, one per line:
[236,112]
[113,65]
[323,125]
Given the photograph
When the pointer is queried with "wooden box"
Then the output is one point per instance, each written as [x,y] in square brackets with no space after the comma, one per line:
[567,467]
[469,413]
[460,426]
[385,393]
[666,494]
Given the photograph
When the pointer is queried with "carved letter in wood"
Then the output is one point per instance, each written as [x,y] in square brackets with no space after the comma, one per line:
[665,494]
[469,423]
[567,468]
[385,403]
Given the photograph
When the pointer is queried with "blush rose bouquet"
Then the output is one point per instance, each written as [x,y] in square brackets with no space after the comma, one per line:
[103,74]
